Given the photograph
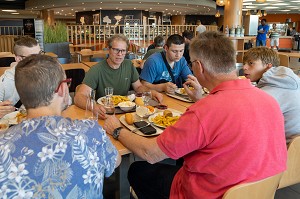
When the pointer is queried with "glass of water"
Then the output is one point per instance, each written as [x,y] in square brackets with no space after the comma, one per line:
[146,97]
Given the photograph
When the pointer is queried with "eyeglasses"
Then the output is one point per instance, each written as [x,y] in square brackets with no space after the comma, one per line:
[191,64]
[40,53]
[117,51]
[68,81]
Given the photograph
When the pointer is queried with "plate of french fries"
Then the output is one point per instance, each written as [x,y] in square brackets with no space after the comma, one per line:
[15,117]
[115,98]
[164,119]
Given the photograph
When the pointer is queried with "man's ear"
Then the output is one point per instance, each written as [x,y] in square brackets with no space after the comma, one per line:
[269,65]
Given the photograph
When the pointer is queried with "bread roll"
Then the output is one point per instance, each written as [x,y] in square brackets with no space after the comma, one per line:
[129,118]
[139,101]
[168,113]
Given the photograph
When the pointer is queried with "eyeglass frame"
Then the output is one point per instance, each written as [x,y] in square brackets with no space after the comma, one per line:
[40,53]
[123,52]
[191,64]
[68,81]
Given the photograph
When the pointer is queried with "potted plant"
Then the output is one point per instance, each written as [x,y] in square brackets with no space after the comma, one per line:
[56,39]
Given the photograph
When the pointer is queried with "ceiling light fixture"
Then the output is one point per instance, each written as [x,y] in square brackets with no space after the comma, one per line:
[220,2]
[259,13]
[218,14]
[265,13]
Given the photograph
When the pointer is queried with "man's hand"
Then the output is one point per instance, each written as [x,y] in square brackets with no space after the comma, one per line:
[196,93]
[6,107]
[101,111]
[170,87]
[111,123]
[157,96]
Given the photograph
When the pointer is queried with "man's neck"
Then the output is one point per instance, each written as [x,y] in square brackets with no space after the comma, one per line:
[43,111]
[112,64]
[171,63]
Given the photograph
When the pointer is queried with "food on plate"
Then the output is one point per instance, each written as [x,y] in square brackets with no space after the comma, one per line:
[129,118]
[139,101]
[126,106]
[165,121]
[116,99]
[151,109]
[3,127]
[167,113]
[20,117]
[183,92]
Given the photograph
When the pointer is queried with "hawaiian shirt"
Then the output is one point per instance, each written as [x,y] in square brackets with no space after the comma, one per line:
[55,157]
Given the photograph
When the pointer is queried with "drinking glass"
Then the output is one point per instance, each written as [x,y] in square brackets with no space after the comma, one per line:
[109,91]
[90,107]
[109,106]
[146,97]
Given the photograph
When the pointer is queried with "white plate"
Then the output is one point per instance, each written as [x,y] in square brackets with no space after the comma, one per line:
[11,117]
[131,127]
[102,99]
[150,119]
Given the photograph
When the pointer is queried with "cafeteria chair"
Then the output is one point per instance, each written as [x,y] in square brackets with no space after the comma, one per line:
[63,60]
[284,60]
[292,175]
[77,75]
[96,59]
[262,189]
[6,61]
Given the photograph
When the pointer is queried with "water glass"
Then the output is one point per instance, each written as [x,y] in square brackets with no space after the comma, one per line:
[109,91]
[146,97]
[91,106]
[109,106]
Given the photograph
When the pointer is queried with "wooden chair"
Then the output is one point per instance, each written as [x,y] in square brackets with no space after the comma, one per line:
[263,189]
[284,60]
[292,175]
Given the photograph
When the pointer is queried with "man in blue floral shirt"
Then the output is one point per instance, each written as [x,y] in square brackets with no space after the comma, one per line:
[48,156]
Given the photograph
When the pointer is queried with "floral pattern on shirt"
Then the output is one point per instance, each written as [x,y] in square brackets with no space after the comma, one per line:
[55,157]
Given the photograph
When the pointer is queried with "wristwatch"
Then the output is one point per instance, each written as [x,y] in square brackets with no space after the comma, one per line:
[116,132]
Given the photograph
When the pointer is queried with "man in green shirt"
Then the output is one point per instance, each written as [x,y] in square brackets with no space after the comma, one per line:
[113,72]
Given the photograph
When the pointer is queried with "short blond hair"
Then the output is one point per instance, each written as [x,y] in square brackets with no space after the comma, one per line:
[265,54]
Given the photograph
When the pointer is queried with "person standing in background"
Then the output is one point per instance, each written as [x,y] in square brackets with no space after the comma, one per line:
[262,31]
[274,35]
[200,28]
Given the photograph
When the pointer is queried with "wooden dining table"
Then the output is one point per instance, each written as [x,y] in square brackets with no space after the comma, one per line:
[123,187]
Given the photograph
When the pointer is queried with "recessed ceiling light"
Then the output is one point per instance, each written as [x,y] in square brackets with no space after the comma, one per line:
[9,10]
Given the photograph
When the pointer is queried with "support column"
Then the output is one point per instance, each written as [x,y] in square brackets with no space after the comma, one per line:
[48,16]
[233,13]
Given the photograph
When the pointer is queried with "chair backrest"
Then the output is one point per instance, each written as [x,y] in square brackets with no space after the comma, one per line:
[77,76]
[96,59]
[292,175]
[263,189]
[6,61]
[284,60]
[63,60]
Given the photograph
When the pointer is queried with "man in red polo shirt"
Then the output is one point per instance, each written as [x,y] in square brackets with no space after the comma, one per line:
[234,135]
